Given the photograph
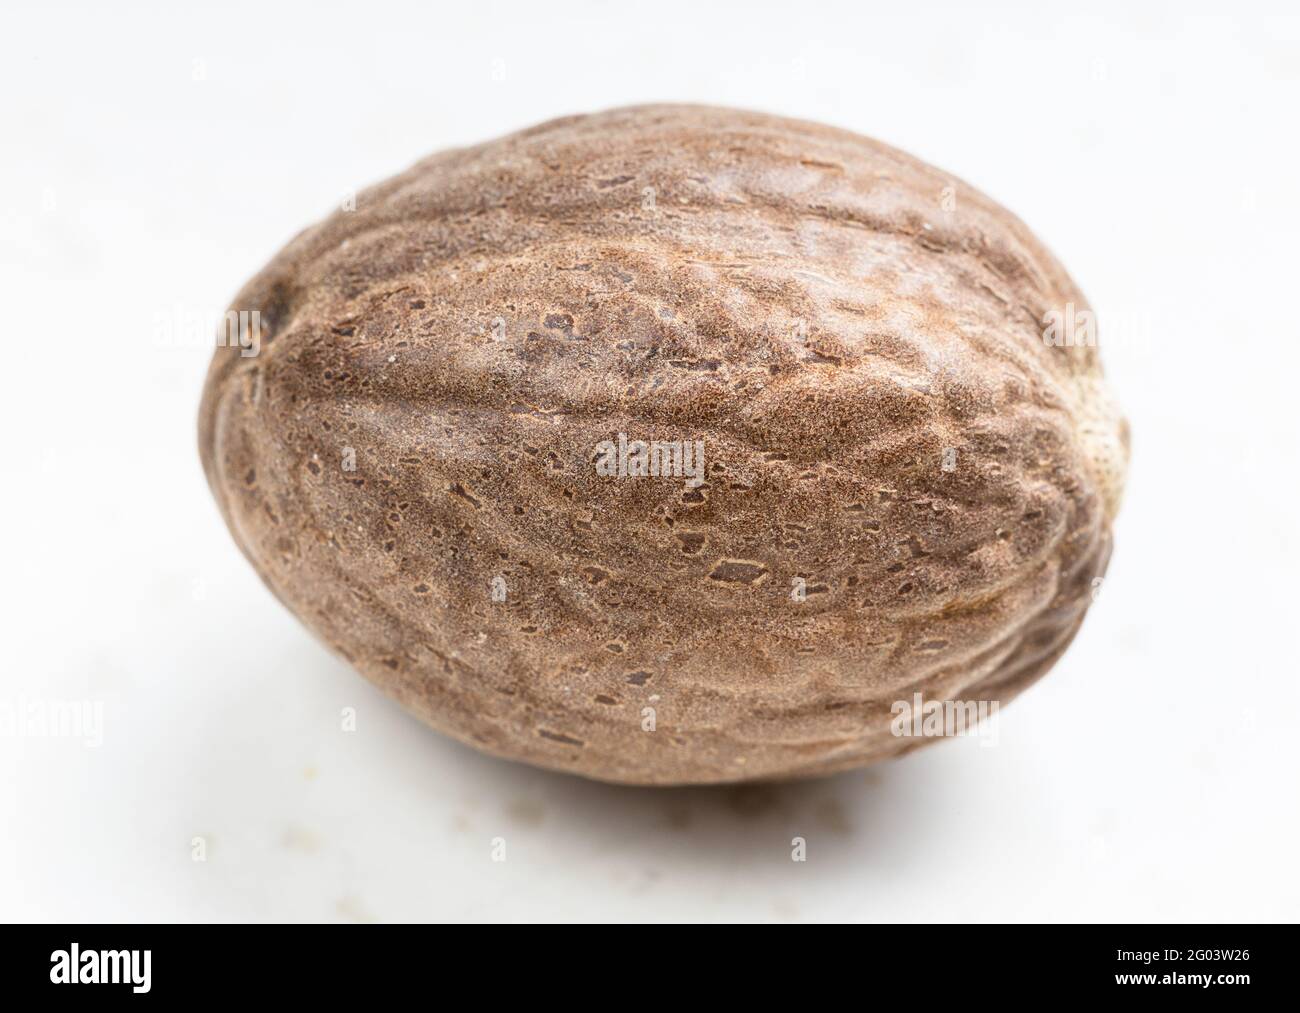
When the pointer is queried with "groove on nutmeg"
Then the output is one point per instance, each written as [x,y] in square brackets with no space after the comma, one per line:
[671,445]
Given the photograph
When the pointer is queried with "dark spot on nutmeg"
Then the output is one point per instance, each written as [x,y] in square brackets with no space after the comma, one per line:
[566,740]
[692,541]
[738,571]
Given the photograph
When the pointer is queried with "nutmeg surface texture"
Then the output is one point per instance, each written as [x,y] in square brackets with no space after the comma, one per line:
[672,444]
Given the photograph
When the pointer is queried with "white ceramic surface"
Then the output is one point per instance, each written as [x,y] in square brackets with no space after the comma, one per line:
[154,160]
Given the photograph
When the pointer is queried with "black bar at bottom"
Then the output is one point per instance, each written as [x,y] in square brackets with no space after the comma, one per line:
[336,963]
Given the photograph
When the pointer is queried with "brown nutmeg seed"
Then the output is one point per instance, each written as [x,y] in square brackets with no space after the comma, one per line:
[672,444]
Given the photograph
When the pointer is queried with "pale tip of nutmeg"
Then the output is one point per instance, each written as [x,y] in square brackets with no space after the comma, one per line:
[1104,438]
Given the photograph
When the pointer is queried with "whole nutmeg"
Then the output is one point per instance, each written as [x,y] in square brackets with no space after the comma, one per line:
[672,444]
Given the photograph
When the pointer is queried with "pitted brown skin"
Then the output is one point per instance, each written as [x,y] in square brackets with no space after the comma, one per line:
[855,336]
